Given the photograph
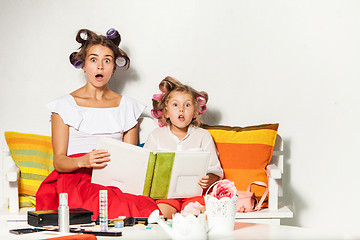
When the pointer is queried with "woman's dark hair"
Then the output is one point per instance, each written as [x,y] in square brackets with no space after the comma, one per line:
[88,38]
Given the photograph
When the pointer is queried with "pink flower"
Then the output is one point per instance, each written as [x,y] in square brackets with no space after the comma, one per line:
[193,208]
[224,188]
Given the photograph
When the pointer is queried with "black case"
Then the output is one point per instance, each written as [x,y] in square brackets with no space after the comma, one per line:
[50,217]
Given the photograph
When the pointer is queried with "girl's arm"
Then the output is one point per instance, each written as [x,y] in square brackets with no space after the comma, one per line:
[215,171]
[207,180]
[214,163]
[60,140]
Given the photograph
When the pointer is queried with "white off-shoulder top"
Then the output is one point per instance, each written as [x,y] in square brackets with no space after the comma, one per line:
[87,123]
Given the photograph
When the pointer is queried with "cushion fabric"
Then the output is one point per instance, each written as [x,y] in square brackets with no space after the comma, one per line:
[33,155]
[244,152]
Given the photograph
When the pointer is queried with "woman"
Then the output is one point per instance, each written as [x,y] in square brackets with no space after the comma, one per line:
[79,118]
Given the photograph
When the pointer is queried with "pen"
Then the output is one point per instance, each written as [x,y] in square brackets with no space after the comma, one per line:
[88,225]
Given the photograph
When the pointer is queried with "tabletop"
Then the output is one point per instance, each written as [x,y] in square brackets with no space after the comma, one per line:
[154,231]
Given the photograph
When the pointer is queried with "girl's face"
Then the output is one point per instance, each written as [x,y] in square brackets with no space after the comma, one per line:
[181,110]
[99,65]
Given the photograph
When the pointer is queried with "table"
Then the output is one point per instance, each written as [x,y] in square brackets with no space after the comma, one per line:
[242,231]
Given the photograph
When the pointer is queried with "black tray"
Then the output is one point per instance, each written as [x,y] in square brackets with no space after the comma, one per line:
[50,217]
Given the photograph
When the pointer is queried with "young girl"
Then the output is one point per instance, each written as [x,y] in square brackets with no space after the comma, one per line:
[178,111]
[78,118]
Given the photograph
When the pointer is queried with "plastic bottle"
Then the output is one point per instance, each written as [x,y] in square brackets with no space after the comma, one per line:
[119,222]
[63,213]
[103,210]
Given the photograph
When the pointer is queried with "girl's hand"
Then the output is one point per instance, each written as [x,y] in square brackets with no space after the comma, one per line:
[207,180]
[97,158]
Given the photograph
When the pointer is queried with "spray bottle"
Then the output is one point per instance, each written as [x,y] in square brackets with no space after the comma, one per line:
[63,213]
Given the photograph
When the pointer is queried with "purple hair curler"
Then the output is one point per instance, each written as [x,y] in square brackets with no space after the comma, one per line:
[111,33]
[120,61]
[78,64]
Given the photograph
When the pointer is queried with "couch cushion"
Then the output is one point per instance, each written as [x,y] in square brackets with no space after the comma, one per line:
[33,155]
[244,152]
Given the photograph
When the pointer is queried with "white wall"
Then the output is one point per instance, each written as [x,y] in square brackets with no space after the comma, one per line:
[292,62]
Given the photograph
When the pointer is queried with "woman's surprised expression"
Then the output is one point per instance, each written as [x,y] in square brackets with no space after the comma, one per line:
[181,110]
[99,65]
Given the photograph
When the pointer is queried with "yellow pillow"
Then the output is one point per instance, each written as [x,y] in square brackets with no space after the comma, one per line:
[244,152]
[33,155]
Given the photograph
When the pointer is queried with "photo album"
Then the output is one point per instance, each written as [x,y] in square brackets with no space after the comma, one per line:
[159,175]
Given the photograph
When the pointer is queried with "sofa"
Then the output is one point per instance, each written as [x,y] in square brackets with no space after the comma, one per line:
[239,148]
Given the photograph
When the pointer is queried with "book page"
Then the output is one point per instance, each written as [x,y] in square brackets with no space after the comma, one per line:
[188,169]
[127,168]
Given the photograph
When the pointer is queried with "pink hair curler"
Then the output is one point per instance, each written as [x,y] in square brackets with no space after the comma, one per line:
[155,113]
[157,96]
[161,122]
[162,89]
[202,109]
[201,101]
[205,93]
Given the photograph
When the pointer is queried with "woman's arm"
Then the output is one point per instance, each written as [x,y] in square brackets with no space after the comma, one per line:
[131,136]
[60,140]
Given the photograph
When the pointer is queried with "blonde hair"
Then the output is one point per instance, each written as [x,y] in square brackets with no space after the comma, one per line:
[160,101]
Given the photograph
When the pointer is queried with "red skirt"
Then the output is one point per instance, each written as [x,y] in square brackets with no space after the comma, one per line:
[84,194]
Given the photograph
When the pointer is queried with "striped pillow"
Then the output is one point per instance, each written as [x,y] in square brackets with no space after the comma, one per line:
[244,152]
[33,155]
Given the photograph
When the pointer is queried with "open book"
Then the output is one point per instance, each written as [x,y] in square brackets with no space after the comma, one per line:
[158,175]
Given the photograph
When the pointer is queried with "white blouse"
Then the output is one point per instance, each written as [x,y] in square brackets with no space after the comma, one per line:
[197,139]
[86,123]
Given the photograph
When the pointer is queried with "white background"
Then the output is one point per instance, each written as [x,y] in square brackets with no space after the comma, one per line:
[291,62]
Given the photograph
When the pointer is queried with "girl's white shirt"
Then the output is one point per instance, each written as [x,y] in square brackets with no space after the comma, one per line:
[196,139]
[87,123]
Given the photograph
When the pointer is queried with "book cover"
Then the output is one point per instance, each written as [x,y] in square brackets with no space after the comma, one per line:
[158,175]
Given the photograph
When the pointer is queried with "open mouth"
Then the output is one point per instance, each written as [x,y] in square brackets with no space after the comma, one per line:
[181,117]
[99,77]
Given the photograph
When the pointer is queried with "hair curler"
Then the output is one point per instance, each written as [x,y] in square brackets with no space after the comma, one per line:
[78,64]
[201,101]
[114,35]
[157,96]
[155,113]
[202,109]
[120,61]
[83,35]
[111,33]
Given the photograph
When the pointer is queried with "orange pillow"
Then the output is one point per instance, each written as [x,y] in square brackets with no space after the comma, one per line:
[244,152]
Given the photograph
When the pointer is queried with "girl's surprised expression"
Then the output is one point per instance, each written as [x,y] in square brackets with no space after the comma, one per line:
[180,110]
[99,65]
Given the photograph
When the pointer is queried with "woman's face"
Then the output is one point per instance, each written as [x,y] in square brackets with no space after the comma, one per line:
[99,65]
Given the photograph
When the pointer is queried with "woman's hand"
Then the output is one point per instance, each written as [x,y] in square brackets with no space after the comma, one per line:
[97,158]
[207,180]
